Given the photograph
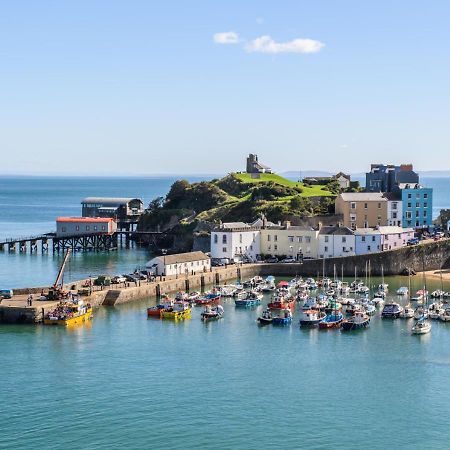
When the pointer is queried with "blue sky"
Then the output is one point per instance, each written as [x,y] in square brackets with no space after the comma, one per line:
[109,87]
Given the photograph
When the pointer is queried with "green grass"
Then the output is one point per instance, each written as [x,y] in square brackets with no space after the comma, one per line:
[308,191]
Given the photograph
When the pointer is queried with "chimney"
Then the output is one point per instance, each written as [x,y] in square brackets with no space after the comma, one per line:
[287,224]
[320,225]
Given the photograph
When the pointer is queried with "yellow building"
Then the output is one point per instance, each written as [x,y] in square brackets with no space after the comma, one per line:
[289,241]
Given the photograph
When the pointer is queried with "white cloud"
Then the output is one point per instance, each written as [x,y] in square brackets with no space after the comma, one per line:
[228,37]
[265,44]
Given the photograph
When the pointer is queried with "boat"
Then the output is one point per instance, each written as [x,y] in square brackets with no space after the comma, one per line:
[391,310]
[402,291]
[310,303]
[333,305]
[284,317]
[436,294]
[251,299]
[422,326]
[155,311]
[353,308]
[280,302]
[69,313]
[227,290]
[435,310]
[357,321]
[266,317]
[420,311]
[370,309]
[193,296]
[208,298]
[179,310]
[311,317]
[407,313]
[332,320]
[181,296]
[212,313]
[445,316]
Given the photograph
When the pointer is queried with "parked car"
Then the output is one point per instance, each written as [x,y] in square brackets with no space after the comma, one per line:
[413,241]
[130,277]
[272,260]
[288,260]
[6,293]
[118,279]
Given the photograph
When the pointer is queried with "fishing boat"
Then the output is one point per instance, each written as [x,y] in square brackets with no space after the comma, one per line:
[283,317]
[332,320]
[69,313]
[212,313]
[408,310]
[155,311]
[251,299]
[353,308]
[266,317]
[391,310]
[310,303]
[311,317]
[333,305]
[179,310]
[193,296]
[280,302]
[422,326]
[357,321]
[208,298]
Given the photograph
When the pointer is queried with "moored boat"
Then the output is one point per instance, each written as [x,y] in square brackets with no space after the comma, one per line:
[155,311]
[333,320]
[208,298]
[266,317]
[357,321]
[311,317]
[212,313]
[284,317]
[179,310]
[391,310]
[69,313]
[422,326]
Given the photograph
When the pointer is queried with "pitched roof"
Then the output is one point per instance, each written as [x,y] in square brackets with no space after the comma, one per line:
[336,230]
[363,197]
[180,258]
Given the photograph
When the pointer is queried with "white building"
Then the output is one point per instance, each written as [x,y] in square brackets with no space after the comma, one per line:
[179,264]
[394,209]
[335,242]
[236,241]
[395,237]
[83,226]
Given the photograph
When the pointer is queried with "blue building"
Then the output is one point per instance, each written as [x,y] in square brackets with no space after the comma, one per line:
[387,178]
[417,205]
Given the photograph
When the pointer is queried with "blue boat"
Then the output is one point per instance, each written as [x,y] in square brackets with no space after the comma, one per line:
[333,320]
[283,318]
[252,299]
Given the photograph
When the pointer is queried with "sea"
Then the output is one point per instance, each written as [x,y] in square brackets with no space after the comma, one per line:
[125,381]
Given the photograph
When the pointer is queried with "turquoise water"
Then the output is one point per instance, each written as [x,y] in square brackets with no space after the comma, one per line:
[128,382]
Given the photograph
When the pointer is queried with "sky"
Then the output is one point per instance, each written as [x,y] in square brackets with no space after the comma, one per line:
[163,87]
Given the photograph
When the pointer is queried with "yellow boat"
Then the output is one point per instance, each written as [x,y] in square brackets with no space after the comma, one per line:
[179,310]
[68,313]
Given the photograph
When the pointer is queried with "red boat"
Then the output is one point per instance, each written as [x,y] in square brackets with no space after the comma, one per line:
[155,311]
[208,299]
[282,303]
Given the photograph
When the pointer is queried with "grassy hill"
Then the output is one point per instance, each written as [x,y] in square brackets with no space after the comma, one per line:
[237,197]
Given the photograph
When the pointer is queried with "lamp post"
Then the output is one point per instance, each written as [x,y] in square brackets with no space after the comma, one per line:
[164,251]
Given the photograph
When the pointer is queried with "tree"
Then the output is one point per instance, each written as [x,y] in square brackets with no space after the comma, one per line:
[155,205]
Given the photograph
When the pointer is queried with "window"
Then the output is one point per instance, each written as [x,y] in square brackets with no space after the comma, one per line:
[236,250]
[103,227]
[417,195]
[417,223]
[373,238]
[363,239]
[368,248]
[307,239]
[275,247]
[251,247]
[394,205]
[409,195]
[409,205]
[344,239]
[268,238]
[365,205]
[417,213]
[299,239]
[379,205]
[63,229]
[408,214]
[353,205]
[216,238]
[290,238]
[394,215]
[424,214]
[87,228]
[240,238]
[77,228]
[275,238]
[379,217]
[326,238]
[387,237]
[224,239]
[269,247]
[224,249]
[417,205]
[326,248]
[425,195]
[95,227]
[425,205]
[344,249]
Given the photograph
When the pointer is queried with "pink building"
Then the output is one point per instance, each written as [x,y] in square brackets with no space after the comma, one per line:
[395,237]
[82,226]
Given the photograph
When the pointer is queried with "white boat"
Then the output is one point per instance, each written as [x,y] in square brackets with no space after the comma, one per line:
[445,316]
[436,294]
[407,313]
[435,310]
[402,291]
[311,317]
[422,326]
[227,290]
[419,312]
[370,309]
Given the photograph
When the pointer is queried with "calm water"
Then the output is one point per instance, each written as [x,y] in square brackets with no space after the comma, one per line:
[128,382]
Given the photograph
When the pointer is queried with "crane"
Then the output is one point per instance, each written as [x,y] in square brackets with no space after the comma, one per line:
[56,292]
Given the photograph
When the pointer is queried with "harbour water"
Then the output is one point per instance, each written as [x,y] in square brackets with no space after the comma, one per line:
[125,381]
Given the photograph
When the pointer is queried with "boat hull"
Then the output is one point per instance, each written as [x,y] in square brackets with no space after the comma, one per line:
[72,320]
[351,326]
[176,315]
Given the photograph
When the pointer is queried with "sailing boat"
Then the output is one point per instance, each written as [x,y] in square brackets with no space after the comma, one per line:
[408,311]
[423,326]
[369,305]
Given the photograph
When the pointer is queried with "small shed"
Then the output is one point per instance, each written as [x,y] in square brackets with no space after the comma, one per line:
[179,264]
[84,226]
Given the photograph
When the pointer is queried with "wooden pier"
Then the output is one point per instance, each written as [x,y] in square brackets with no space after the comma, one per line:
[87,242]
